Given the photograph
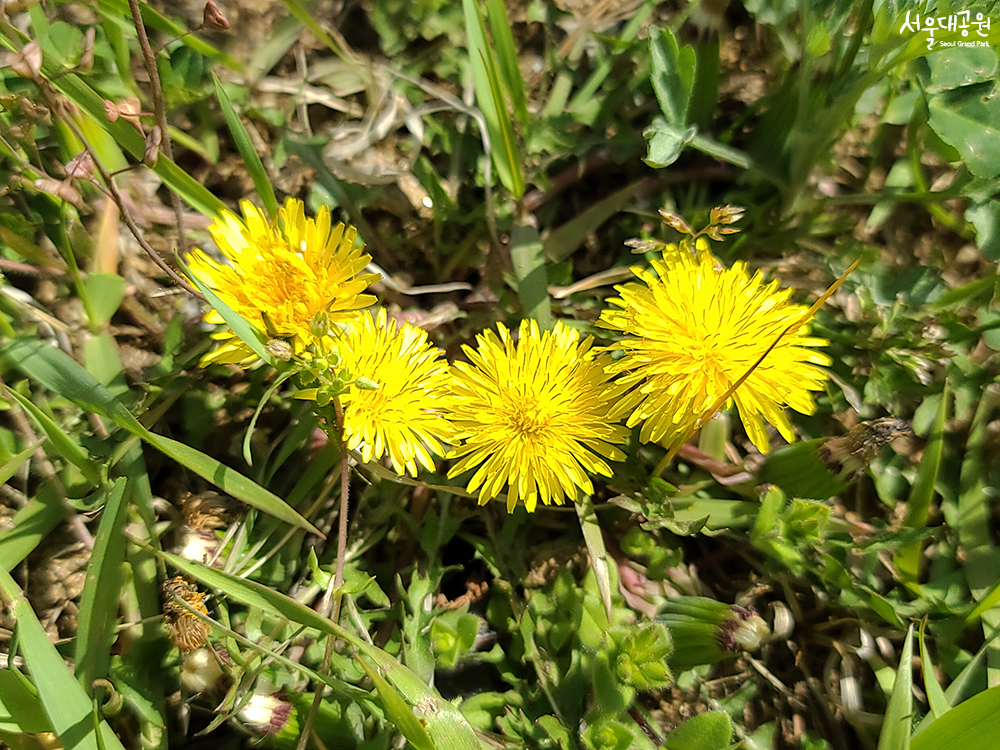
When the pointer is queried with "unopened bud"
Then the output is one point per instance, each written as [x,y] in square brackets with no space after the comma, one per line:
[111,110]
[675,222]
[269,714]
[33,111]
[213,18]
[366,384]
[87,58]
[151,153]
[81,167]
[62,190]
[727,214]
[27,62]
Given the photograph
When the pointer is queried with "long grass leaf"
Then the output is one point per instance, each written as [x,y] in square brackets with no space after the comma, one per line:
[31,524]
[529,269]
[101,590]
[935,695]
[10,467]
[251,159]
[67,705]
[895,733]
[507,57]
[907,560]
[61,374]
[63,443]
[440,717]
[972,725]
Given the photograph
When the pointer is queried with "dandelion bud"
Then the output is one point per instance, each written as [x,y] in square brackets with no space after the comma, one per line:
[87,58]
[270,714]
[200,670]
[151,154]
[81,167]
[705,631]
[27,63]
[213,18]
[319,326]
[279,349]
[366,384]
[675,222]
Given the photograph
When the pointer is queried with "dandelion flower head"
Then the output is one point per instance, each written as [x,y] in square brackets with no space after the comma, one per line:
[281,276]
[404,415]
[533,416]
[693,329]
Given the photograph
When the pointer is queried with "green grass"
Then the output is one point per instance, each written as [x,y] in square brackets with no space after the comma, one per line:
[509,151]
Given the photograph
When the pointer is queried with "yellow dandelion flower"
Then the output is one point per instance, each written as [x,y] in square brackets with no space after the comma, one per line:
[404,416]
[533,416]
[695,330]
[281,276]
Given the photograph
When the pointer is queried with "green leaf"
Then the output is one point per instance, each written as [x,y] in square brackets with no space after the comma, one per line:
[985,218]
[907,560]
[66,704]
[105,292]
[398,712]
[20,710]
[711,730]
[529,269]
[971,725]
[895,733]
[595,548]
[954,67]
[966,118]
[10,467]
[673,74]
[507,58]
[246,332]
[63,443]
[490,98]
[255,167]
[59,373]
[665,142]
[31,524]
[99,601]
[935,695]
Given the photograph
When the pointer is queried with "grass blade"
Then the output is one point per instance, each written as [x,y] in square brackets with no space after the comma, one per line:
[595,548]
[972,725]
[251,159]
[918,505]
[490,98]
[67,705]
[895,733]
[32,524]
[99,600]
[61,374]
[529,269]
[510,73]
[935,695]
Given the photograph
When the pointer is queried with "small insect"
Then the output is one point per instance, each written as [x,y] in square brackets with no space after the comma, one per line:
[185,630]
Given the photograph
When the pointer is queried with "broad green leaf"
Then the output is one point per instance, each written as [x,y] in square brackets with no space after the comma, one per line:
[895,734]
[59,373]
[954,67]
[968,119]
[101,591]
[664,142]
[106,292]
[711,730]
[529,269]
[985,217]
[672,75]
[255,167]
[70,711]
[971,725]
